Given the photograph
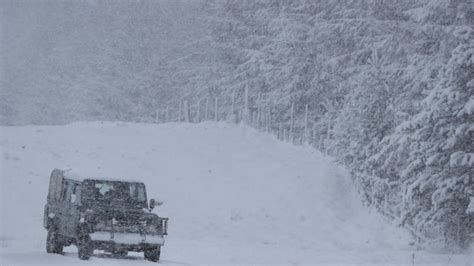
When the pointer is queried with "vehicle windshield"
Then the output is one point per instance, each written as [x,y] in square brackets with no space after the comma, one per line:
[115,192]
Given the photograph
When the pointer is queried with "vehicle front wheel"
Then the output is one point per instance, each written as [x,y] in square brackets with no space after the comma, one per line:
[84,247]
[53,241]
[153,254]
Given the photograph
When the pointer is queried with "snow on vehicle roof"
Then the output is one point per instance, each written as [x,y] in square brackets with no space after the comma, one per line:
[112,179]
[75,176]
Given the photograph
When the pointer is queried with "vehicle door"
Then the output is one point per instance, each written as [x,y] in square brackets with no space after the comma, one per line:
[54,207]
[69,210]
[61,210]
[74,210]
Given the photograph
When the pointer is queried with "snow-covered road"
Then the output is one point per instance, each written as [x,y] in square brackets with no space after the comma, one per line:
[233,196]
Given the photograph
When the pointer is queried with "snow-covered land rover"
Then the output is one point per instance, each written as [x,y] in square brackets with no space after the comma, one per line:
[101,214]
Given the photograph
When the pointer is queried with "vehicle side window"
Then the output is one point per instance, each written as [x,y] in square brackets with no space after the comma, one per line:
[78,194]
[68,192]
[73,194]
[141,193]
[64,193]
[75,197]
[137,191]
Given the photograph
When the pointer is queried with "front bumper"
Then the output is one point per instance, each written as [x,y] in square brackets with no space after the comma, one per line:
[132,239]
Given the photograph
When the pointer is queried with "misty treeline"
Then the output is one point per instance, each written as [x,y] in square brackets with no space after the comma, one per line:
[387,87]
[65,61]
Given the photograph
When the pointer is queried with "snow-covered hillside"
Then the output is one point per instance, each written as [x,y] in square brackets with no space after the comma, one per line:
[233,196]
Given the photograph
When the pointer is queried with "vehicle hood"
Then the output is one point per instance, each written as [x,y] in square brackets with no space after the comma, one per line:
[120,215]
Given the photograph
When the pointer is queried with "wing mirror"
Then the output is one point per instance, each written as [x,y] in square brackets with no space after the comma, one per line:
[154,203]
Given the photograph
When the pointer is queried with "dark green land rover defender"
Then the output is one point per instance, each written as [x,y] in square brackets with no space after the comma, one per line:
[109,215]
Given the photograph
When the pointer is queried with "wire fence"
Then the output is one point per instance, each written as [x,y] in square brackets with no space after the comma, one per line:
[257,111]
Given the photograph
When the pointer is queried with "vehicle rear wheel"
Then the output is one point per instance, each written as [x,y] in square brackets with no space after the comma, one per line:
[84,247]
[53,241]
[153,254]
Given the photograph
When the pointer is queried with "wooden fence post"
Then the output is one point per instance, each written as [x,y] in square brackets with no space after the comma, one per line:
[305,134]
[269,120]
[186,111]
[233,104]
[206,114]
[259,112]
[246,113]
[198,111]
[292,121]
[328,134]
[280,131]
[215,110]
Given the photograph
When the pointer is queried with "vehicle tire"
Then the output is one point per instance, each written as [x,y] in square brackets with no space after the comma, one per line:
[53,241]
[153,254]
[84,247]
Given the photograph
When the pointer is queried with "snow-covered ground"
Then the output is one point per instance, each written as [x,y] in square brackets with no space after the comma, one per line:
[233,196]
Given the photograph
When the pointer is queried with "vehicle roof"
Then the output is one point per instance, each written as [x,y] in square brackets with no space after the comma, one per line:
[111,180]
[74,176]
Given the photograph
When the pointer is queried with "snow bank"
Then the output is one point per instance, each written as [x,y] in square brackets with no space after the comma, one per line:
[234,196]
